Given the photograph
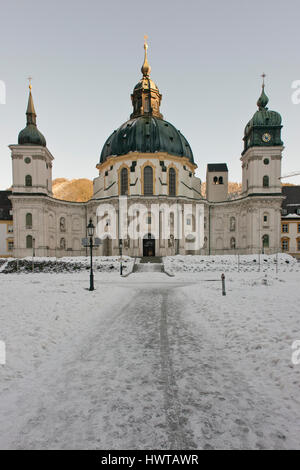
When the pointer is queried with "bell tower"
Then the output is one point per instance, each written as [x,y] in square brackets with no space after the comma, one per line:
[31,160]
[261,157]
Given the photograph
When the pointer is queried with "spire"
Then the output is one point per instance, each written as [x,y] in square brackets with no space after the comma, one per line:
[30,113]
[263,100]
[146,97]
[30,135]
[146,69]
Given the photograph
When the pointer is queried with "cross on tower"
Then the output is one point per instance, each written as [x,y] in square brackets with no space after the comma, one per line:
[29,79]
[263,77]
[145,41]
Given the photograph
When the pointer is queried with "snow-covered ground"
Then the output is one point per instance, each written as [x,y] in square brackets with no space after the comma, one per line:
[280,262]
[149,361]
[65,264]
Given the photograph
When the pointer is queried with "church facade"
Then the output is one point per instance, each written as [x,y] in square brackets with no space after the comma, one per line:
[147,199]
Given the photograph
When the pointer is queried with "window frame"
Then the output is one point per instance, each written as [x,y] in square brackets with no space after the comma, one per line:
[266,181]
[172,181]
[28,219]
[28,181]
[124,169]
[146,180]
[285,240]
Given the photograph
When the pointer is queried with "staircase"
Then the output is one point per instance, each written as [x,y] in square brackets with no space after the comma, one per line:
[151,264]
[151,259]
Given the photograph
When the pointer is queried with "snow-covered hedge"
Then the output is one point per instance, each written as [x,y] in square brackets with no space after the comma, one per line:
[63,265]
[230,263]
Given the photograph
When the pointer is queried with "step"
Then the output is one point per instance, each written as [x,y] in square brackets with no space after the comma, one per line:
[151,259]
[148,268]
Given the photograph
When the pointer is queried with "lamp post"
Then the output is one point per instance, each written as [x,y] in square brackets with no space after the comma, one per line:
[121,252]
[90,232]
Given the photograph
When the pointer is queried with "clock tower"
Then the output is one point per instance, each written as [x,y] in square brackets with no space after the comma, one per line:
[261,157]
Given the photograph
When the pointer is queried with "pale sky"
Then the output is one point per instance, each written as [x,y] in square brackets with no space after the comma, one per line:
[206,58]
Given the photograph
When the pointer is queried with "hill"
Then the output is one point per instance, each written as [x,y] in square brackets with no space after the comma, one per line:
[81,190]
[76,190]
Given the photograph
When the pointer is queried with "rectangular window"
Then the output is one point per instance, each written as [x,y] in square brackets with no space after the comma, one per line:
[10,228]
[285,228]
[148,220]
[188,221]
[265,218]
[285,245]
[10,246]
[298,228]
[298,244]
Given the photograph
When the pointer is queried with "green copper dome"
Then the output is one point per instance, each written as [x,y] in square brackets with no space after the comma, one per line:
[146,134]
[264,129]
[263,117]
[30,135]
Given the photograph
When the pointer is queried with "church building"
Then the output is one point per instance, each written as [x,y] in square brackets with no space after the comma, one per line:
[148,163]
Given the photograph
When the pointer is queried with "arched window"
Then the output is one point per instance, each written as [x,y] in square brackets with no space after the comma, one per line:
[148,181]
[28,220]
[232,224]
[232,243]
[62,244]
[62,224]
[221,180]
[29,241]
[172,182]
[265,241]
[265,181]
[124,182]
[28,180]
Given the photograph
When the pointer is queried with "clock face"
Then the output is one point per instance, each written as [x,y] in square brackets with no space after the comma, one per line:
[266,137]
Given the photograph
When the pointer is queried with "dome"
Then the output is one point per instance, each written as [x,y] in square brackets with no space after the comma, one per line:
[146,134]
[263,117]
[146,84]
[31,136]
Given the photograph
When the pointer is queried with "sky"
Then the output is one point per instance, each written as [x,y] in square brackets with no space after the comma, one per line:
[207,58]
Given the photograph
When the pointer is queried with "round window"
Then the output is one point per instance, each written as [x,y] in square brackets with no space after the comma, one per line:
[266,161]
[27,160]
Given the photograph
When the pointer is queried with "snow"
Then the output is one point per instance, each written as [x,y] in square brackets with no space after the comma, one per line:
[232,263]
[152,362]
[66,264]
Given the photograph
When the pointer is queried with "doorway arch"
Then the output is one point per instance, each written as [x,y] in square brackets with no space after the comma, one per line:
[148,245]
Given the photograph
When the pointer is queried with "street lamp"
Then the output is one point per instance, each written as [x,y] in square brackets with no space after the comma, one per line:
[90,232]
[120,250]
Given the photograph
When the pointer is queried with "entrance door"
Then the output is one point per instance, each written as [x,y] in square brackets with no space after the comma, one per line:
[149,245]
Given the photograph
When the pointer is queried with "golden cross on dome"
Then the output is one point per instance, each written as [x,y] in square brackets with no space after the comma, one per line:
[30,86]
[263,77]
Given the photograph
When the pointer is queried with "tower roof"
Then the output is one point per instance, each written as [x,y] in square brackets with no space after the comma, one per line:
[263,117]
[146,134]
[30,135]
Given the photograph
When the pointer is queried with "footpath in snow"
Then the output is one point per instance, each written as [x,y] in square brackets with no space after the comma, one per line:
[150,361]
